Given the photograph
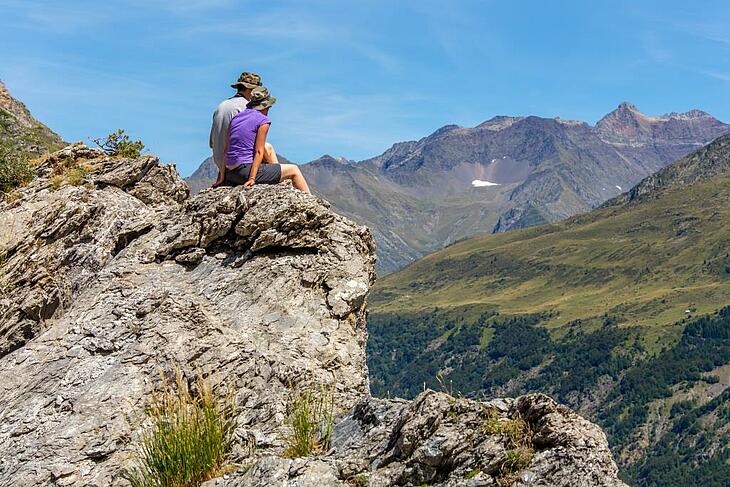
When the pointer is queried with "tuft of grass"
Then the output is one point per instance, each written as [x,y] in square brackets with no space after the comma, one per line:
[190,436]
[518,436]
[491,425]
[73,174]
[517,430]
[13,196]
[57,181]
[310,420]
[473,473]
[76,176]
[360,480]
[516,459]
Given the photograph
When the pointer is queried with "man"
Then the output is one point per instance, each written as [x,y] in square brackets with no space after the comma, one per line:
[222,121]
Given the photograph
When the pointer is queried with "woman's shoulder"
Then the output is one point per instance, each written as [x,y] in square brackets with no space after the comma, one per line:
[262,119]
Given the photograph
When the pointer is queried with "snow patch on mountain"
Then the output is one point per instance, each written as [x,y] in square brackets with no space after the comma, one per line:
[478,183]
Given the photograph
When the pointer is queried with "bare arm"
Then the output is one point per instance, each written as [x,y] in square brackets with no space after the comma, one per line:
[212,127]
[221,169]
[221,164]
[258,154]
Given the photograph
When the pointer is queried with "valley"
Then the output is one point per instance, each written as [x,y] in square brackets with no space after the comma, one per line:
[618,312]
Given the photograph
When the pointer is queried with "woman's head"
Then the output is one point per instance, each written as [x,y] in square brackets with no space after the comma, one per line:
[261,99]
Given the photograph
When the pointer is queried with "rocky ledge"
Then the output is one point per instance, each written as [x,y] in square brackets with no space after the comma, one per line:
[112,275]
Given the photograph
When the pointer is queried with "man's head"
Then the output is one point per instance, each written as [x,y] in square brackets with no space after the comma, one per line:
[247,82]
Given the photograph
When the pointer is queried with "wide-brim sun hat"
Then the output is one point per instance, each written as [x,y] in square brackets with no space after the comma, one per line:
[261,99]
[247,80]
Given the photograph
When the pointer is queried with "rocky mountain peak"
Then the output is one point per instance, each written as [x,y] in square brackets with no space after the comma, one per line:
[108,283]
[444,130]
[329,160]
[627,105]
[627,126]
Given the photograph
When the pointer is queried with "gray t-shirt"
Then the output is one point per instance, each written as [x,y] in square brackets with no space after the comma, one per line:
[221,123]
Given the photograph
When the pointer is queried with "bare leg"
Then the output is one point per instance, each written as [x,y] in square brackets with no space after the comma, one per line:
[270,155]
[292,171]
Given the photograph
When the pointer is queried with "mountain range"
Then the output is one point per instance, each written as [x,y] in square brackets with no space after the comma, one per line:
[621,312]
[504,174]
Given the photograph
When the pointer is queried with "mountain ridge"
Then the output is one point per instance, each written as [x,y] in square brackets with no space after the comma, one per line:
[418,195]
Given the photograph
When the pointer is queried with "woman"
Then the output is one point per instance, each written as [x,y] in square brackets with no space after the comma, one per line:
[247,148]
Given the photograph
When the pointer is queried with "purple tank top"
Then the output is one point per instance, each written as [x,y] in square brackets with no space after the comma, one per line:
[242,137]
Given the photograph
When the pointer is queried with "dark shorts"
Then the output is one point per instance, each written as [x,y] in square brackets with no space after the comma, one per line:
[267,174]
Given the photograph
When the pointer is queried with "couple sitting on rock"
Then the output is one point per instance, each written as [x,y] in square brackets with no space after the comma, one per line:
[238,139]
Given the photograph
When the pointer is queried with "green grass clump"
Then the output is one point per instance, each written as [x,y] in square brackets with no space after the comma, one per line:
[190,436]
[473,473]
[516,459]
[518,435]
[15,169]
[517,430]
[360,480]
[310,420]
[72,173]
[76,176]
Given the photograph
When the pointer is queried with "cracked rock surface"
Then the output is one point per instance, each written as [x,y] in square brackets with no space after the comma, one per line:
[440,440]
[109,284]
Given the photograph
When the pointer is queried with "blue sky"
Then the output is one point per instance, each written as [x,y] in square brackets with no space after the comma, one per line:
[353,77]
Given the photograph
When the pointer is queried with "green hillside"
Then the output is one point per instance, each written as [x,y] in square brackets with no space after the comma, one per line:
[616,312]
[20,131]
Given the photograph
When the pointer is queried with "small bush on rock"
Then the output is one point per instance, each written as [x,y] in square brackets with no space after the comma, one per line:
[189,439]
[15,169]
[310,420]
[119,144]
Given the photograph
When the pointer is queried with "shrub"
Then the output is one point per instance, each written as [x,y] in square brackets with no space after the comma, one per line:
[119,144]
[15,170]
[189,439]
[310,419]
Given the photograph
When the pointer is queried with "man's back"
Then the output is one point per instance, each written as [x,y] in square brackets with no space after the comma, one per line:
[221,123]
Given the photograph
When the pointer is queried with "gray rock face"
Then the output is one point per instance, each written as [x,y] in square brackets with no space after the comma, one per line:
[109,284]
[439,440]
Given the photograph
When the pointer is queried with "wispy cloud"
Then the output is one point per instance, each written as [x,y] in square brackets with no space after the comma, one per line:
[713,74]
[655,50]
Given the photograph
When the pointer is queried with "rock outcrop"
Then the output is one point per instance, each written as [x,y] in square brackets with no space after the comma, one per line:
[111,281]
[439,440]
[108,284]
